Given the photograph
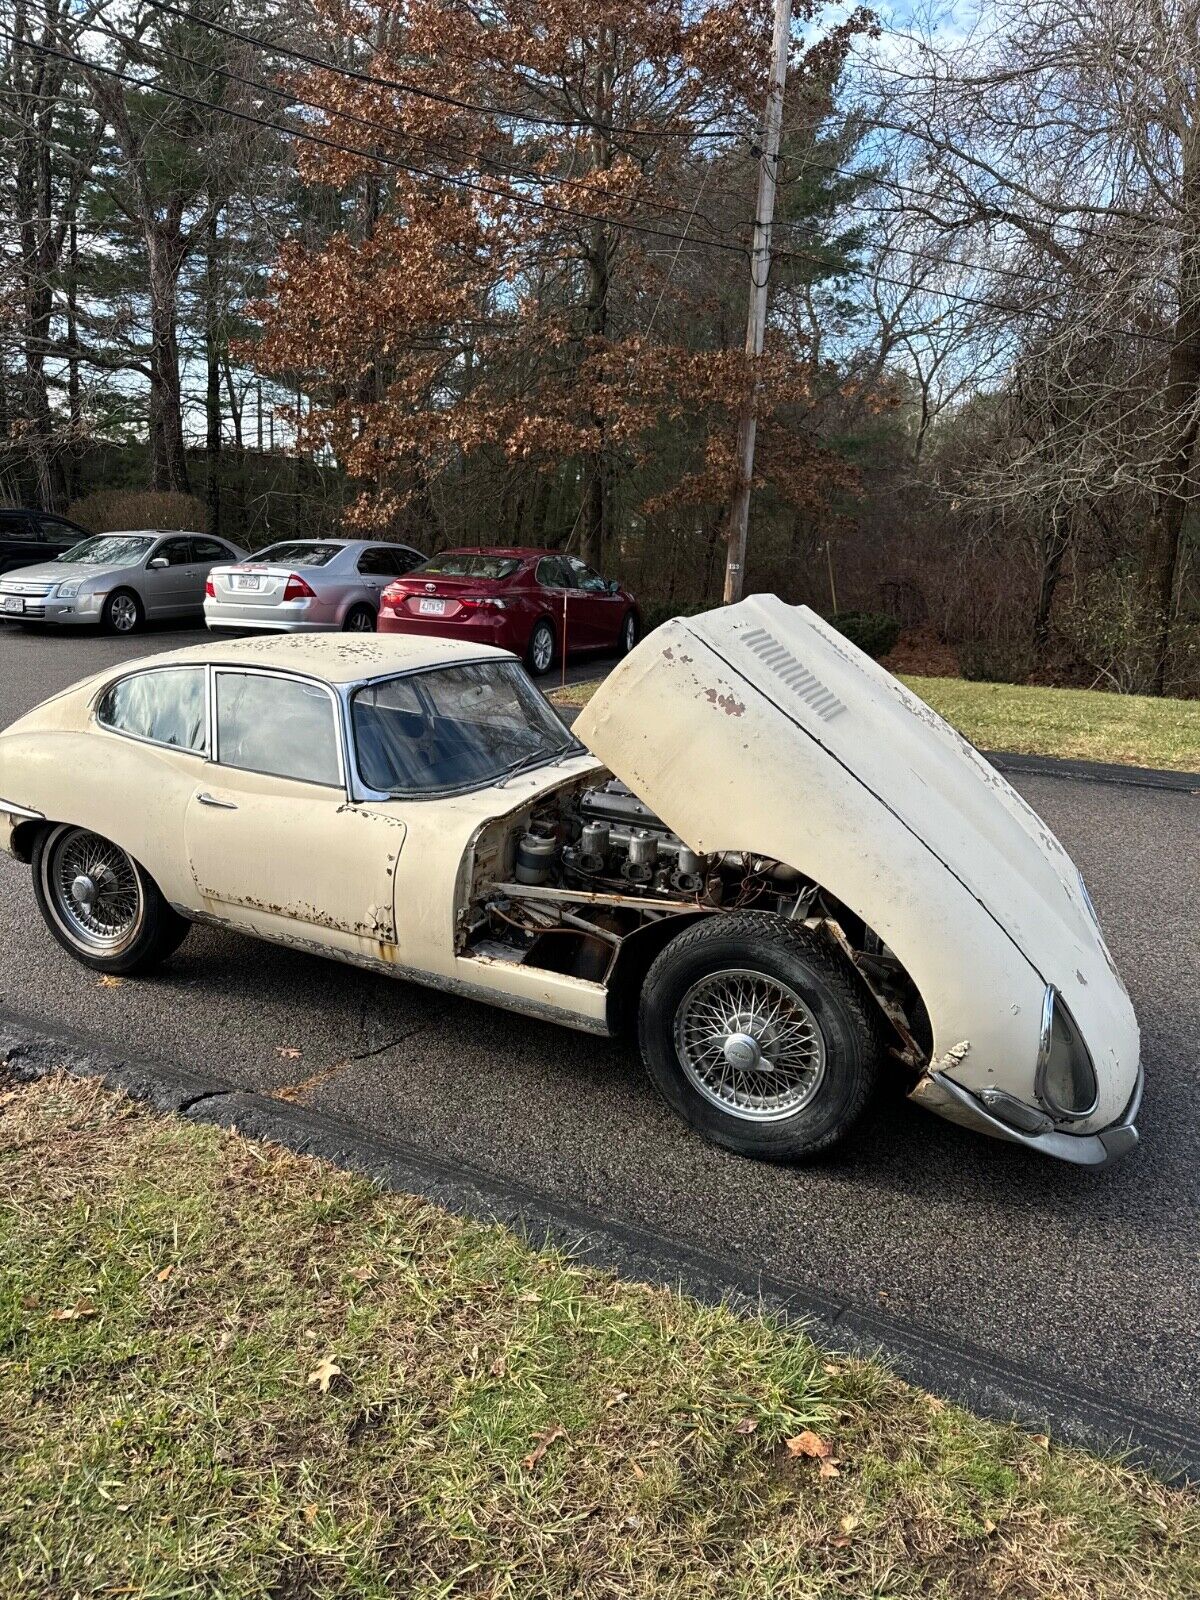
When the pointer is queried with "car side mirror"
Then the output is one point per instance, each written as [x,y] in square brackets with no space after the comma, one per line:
[157,564]
[612,586]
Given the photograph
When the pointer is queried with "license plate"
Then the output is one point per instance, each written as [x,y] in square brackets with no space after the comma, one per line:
[431,608]
[242,580]
[14,602]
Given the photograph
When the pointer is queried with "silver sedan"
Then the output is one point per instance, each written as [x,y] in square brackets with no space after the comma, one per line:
[307,586]
[118,580]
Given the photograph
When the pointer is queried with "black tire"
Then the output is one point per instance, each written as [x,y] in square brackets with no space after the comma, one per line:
[630,633]
[359,619]
[156,932]
[835,1005]
[116,610]
[539,656]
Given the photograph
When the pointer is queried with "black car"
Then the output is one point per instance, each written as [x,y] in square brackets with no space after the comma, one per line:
[27,537]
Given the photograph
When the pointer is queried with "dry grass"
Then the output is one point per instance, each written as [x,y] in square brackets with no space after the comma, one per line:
[1085,724]
[499,1423]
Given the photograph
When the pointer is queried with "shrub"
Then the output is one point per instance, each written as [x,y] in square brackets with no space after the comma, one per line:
[114,510]
[872,631]
[997,660]
[656,612]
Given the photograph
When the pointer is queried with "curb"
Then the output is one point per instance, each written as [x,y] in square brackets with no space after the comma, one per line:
[957,1372]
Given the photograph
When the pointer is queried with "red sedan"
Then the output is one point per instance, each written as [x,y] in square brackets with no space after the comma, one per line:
[533,602]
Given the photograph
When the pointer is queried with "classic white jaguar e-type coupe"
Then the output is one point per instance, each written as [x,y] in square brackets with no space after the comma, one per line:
[766,856]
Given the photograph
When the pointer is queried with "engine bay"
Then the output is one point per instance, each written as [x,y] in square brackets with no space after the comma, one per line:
[564,883]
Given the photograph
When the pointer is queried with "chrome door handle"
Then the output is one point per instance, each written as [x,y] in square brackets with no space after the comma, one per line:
[211,800]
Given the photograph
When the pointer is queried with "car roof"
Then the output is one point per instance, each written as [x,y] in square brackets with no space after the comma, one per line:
[333,657]
[516,552]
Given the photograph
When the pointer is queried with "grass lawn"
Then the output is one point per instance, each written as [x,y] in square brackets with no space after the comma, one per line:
[1085,723]
[229,1371]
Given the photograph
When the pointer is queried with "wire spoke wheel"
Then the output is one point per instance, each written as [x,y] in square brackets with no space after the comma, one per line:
[94,890]
[749,1044]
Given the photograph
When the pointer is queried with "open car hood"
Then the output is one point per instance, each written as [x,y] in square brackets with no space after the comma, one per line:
[758,726]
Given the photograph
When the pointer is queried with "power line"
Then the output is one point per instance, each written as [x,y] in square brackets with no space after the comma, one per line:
[439,98]
[372,125]
[509,196]
[370,155]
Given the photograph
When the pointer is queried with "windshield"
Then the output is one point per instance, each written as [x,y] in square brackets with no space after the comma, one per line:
[467,566]
[109,550]
[452,728]
[299,553]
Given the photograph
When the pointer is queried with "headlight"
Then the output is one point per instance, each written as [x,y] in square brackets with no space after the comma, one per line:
[1066,1079]
[68,591]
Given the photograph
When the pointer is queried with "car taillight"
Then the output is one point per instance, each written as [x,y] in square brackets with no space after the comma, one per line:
[390,599]
[209,592]
[297,589]
[485,600]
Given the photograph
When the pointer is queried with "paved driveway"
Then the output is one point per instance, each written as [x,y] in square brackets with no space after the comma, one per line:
[1085,1277]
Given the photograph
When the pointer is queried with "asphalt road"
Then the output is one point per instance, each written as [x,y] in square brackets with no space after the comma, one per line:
[1088,1278]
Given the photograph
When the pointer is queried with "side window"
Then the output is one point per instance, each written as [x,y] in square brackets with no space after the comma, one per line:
[210,550]
[281,726]
[56,532]
[554,573]
[407,559]
[380,561]
[166,706]
[585,577]
[177,551]
[18,528]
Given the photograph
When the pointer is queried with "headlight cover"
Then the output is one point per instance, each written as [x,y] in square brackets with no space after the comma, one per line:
[1066,1079]
[68,591]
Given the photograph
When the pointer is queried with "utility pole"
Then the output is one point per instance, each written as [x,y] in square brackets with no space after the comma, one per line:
[756,321]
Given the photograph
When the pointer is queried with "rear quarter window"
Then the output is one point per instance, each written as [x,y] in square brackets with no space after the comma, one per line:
[166,707]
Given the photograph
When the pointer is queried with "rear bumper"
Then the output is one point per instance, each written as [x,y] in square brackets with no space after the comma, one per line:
[950,1100]
[482,627]
[293,616]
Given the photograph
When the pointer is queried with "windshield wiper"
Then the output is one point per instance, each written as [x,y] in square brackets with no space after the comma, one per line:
[534,759]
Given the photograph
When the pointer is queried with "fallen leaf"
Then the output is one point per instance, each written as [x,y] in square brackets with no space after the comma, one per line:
[165,1274]
[542,1443]
[225,1340]
[311,1512]
[1042,1439]
[616,1399]
[809,1444]
[325,1373]
[746,1425]
[363,1274]
[988,1525]
[109,980]
[831,1371]
[638,1472]
[828,1470]
[498,1367]
[289,1052]
[934,1404]
[840,1544]
[75,1313]
[848,1524]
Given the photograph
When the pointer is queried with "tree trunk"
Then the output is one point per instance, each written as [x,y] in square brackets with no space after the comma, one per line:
[1160,561]
[1054,546]
[596,509]
[74,387]
[168,458]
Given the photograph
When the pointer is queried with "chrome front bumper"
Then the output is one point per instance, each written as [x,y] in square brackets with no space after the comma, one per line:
[950,1100]
[49,608]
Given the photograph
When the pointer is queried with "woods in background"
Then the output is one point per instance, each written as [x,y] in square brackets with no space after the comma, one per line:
[481,276]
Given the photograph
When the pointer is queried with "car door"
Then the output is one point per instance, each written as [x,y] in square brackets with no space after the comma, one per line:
[20,544]
[207,554]
[604,611]
[377,566]
[58,535]
[170,591]
[562,597]
[272,844]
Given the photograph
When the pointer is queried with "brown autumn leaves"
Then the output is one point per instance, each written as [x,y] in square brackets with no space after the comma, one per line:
[530,261]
